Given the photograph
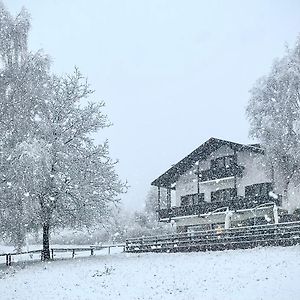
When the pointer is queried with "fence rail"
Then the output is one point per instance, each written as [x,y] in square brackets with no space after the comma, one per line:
[73,250]
[283,234]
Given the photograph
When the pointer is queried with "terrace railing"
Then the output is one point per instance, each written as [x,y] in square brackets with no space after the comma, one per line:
[282,234]
[236,203]
[38,254]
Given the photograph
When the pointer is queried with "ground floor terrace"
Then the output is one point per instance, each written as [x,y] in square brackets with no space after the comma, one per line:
[238,211]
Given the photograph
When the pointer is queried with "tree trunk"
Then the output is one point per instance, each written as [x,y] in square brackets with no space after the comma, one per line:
[46,247]
[20,238]
[285,202]
[20,231]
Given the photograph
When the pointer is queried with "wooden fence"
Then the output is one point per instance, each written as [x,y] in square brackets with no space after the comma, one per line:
[53,251]
[283,234]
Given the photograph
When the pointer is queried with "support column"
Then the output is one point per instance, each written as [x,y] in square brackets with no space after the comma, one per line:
[235,164]
[198,182]
[234,180]
[158,198]
[273,175]
[227,222]
[275,213]
[168,198]
[158,203]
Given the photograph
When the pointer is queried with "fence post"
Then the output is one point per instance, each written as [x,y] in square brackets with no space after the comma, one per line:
[8,259]
[141,244]
[73,253]
[92,251]
[52,253]
[109,250]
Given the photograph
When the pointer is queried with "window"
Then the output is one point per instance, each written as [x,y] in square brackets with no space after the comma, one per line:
[218,226]
[222,162]
[259,189]
[223,195]
[229,161]
[192,199]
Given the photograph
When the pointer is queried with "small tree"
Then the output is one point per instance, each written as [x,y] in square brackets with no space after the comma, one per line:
[77,180]
[274,114]
[147,220]
[151,202]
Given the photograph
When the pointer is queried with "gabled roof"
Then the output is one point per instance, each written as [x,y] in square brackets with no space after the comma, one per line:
[201,153]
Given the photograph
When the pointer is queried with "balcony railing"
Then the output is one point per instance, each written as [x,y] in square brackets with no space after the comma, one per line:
[205,207]
[218,173]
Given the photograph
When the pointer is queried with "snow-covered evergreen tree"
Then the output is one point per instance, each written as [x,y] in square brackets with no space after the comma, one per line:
[53,174]
[274,114]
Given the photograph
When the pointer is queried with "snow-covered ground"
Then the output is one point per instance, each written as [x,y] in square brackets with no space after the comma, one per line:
[261,273]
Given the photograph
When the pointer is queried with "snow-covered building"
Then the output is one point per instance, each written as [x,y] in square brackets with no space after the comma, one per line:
[221,184]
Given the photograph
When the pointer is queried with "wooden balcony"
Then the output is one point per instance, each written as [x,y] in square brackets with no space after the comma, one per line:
[219,173]
[236,203]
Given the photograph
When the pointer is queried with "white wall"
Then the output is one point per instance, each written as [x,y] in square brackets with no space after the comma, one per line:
[293,196]
[187,183]
[256,171]
[220,218]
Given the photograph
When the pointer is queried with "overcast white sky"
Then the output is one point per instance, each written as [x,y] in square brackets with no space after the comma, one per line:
[172,73]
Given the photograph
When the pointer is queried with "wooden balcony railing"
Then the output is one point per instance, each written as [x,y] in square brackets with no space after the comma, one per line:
[236,203]
[218,173]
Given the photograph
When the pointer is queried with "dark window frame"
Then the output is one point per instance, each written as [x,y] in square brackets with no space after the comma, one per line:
[222,162]
[223,195]
[191,199]
[258,189]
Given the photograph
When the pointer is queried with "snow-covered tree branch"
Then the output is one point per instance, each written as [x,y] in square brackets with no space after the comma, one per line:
[274,115]
[52,172]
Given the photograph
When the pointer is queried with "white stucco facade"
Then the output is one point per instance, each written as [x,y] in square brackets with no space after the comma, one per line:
[255,171]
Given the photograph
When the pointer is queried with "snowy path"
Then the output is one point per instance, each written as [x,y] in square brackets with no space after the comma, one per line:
[264,273]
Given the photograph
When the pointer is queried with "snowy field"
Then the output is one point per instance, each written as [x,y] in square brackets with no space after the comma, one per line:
[262,273]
